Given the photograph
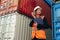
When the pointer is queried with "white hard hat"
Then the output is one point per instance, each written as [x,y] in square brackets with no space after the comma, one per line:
[37,8]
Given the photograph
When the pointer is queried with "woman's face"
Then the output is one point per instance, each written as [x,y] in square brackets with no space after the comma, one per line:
[38,11]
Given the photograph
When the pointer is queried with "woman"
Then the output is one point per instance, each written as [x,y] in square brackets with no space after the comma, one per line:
[38,24]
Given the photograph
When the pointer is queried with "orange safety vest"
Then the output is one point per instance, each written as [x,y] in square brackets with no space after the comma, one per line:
[40,34]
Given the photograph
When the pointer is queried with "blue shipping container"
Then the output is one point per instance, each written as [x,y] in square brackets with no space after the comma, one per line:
[49,2]
[56,21]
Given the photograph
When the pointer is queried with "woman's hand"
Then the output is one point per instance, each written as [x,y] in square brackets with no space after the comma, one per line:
[35,24]
[33,15]
[34,27]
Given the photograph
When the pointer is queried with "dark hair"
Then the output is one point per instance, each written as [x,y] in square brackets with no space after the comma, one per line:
[36,9]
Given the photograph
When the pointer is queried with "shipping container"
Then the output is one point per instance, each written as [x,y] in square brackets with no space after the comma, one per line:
[49,2]
[56,21]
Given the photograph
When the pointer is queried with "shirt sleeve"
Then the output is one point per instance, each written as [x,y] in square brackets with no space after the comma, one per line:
[31,23]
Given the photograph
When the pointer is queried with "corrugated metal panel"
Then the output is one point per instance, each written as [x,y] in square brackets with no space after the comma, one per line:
[22,31]
[22,28]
